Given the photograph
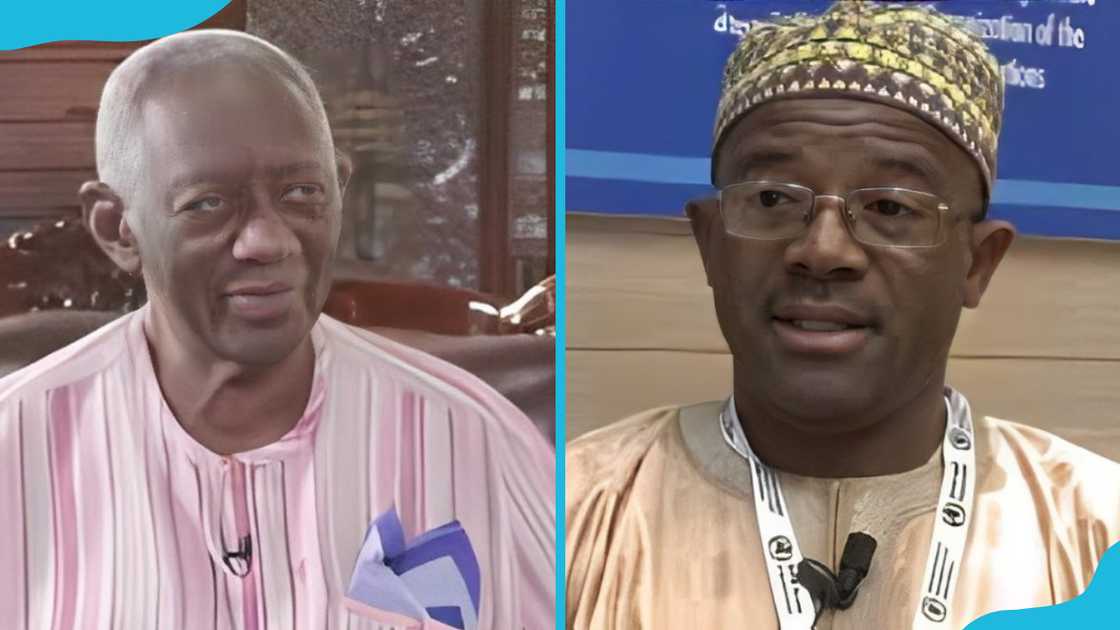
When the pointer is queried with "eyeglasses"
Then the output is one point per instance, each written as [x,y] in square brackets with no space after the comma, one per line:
[890,217]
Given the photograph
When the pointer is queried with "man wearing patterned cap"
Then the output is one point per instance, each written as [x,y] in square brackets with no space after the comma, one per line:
[855,153]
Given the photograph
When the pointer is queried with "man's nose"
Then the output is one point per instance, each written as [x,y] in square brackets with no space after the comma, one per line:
[264,237]
[827,250]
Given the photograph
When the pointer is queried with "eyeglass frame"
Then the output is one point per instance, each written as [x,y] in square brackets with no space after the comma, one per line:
[845,213]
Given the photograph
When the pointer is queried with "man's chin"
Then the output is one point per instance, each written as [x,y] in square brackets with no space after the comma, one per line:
[258,356]
[260,345]
[817,402]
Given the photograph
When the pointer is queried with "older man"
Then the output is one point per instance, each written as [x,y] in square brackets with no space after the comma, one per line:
[842,484]
[214,459]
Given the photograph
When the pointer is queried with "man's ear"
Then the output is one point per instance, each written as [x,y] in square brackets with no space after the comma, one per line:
[103,215]
[990,241]
[707,228]
[345,168]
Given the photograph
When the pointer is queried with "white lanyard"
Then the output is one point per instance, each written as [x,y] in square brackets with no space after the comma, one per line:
[793,603]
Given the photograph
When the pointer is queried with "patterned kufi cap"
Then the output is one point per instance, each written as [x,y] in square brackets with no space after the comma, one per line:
[911,57]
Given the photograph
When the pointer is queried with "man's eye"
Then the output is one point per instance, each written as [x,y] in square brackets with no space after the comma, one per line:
[304,193]
[889,208]
[771,198]
[206,204]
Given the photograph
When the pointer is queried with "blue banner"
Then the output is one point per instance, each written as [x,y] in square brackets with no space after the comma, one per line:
[643,82]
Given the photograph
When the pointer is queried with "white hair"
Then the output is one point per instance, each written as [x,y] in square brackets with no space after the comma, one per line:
[119,116]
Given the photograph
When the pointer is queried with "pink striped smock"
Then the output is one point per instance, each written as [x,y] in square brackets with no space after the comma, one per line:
[113,517]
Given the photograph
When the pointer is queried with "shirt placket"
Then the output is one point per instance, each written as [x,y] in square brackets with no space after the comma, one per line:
[245,540]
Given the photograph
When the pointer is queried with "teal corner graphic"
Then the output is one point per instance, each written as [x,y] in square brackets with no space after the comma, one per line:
[1089,610]
[31,22]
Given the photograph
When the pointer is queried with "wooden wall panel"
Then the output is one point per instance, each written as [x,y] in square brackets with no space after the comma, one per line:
[1068,397]
[22,192]
[231,16]
[1049,298]
[1043,348]
[72,51]
[604,386]
[47,146]
[649,281]
[51,91]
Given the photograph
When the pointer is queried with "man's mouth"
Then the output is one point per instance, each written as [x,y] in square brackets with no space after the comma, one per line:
[821,329]
[256,289]
[820,326]
[259,301]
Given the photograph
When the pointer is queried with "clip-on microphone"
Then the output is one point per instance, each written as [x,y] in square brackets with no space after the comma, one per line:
[243,556]
[830,590]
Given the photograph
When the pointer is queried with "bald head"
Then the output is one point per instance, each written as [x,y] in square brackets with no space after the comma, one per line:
[147,71]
